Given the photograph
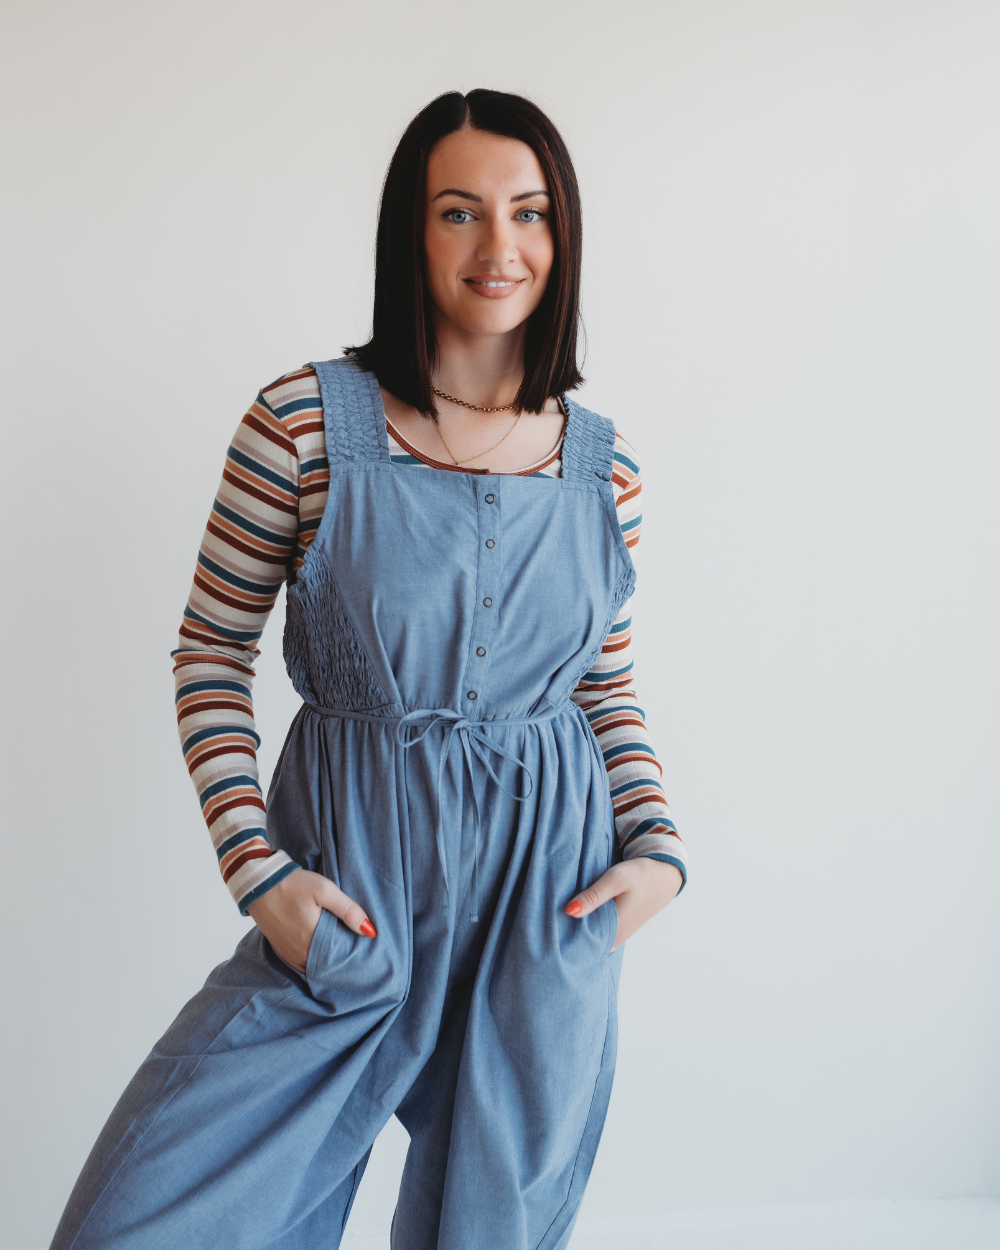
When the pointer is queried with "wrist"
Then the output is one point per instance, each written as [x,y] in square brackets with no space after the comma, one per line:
[262,892]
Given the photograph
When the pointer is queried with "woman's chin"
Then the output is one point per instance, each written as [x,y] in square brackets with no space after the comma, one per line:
[491,317]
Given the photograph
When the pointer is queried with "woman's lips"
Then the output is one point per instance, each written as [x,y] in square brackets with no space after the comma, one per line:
[493,286]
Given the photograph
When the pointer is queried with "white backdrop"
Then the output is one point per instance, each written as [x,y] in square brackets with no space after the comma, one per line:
[792,311]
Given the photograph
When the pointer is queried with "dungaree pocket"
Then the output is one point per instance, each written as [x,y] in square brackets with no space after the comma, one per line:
[349,973]
[309,953]
[549,995]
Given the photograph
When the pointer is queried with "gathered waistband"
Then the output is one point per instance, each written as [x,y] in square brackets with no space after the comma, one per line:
[442,715]
[476,743]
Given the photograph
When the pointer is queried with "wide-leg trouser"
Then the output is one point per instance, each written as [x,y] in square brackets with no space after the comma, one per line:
[251,1122]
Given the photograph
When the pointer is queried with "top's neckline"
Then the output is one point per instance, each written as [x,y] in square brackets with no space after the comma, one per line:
[431,463]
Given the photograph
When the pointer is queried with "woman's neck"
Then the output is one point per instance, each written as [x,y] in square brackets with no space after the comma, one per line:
[479,368]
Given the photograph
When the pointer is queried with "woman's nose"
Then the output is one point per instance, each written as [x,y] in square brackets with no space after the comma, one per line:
[496,246]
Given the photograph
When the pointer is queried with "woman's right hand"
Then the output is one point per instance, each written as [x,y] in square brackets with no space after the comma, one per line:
[288,914]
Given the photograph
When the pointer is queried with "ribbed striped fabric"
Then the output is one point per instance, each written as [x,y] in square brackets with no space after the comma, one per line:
[264,517]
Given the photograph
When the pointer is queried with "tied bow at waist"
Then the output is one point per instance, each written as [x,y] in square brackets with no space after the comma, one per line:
[476,743]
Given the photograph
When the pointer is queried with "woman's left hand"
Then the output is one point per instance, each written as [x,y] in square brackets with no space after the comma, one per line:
[640,887]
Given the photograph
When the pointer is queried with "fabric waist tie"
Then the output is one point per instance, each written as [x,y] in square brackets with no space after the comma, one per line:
[475,742]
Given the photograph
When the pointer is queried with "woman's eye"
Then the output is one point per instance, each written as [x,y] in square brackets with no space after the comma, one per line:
[458,215]
[530,215]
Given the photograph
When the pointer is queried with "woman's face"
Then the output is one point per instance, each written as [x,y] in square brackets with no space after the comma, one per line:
[487,236]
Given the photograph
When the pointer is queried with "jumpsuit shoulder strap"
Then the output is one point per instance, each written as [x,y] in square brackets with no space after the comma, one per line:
[353,416]
[589,445]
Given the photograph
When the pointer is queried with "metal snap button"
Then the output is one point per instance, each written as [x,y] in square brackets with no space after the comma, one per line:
[490,543]
[487,603]
[489,498]
[472,695]
[480,650]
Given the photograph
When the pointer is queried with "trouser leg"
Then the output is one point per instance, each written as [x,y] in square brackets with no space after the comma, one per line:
[506,1117]
[231,1135]
[503,1138]
[493,1161]
[426,1114]
[324,1227]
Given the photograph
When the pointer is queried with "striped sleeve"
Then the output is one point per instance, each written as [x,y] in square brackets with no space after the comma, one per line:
[265,514]
[608,698]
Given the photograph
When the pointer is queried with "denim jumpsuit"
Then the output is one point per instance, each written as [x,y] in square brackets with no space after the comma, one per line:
[439,773]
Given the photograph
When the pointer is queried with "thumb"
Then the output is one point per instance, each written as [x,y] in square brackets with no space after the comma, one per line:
[606,887]
[332,898]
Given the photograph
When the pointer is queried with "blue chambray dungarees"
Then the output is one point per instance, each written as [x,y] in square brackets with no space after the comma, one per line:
[439,774]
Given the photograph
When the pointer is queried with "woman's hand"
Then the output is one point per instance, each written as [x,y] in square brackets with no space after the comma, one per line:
[640,887]
[288,914]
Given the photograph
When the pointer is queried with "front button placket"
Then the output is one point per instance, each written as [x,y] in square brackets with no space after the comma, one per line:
[487,617]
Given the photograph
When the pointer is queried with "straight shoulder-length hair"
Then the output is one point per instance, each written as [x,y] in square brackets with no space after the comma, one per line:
[403,349]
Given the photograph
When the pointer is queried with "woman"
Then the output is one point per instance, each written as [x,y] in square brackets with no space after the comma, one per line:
[439,890]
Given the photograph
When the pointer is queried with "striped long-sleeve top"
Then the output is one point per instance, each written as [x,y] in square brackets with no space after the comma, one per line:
[265,515]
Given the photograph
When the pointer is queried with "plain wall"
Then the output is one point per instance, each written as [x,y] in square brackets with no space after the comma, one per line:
[791,302]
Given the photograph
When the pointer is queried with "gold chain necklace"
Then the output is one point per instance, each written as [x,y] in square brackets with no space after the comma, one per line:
[469,459]
[475,408]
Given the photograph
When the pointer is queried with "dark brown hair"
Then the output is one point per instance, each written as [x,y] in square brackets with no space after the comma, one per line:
[402,348]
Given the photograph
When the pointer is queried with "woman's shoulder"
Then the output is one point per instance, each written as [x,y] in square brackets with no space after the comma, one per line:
[625,454]
[293,392]
[284,424]
[626,481]
[288,412]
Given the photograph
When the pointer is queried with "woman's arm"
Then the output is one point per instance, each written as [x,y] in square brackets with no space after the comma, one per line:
[607,696]
[264,516]
[654,868]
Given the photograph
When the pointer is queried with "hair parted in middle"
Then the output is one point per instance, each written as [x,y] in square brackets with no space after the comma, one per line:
[402,349]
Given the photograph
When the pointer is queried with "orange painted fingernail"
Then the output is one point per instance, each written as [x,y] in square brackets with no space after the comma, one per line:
[367,928]
[574,908]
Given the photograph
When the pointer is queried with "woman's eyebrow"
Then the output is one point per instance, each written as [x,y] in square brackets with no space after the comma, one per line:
[478,199]
[465,195]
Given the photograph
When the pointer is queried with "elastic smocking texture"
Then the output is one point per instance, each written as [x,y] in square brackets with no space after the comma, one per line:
[352,403]
[589,446]
[322,648]
[588,456]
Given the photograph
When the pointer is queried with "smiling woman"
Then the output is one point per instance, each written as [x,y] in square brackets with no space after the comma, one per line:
[466,821]
[488,258]
[510,147]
